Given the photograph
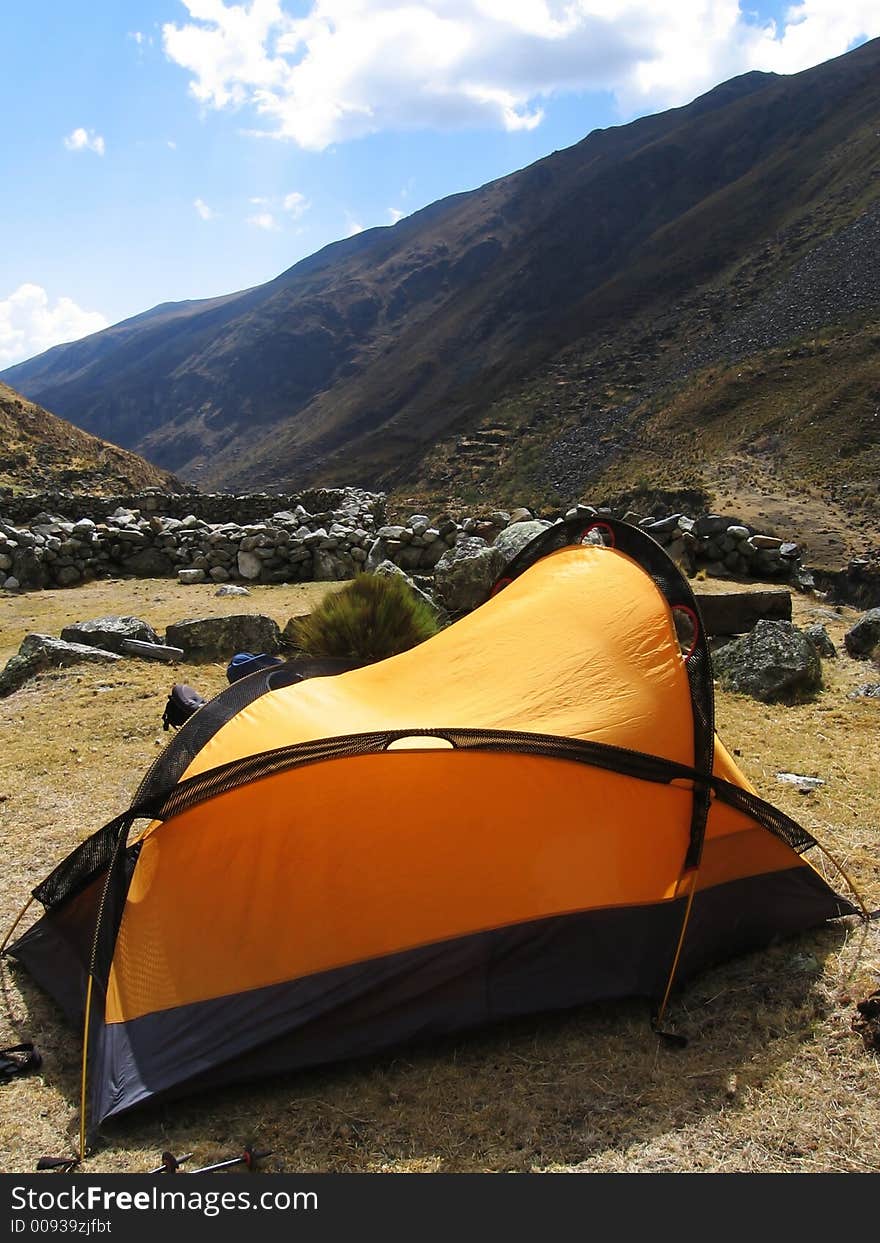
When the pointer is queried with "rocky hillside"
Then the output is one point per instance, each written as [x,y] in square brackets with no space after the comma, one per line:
[530,332]
[39,452]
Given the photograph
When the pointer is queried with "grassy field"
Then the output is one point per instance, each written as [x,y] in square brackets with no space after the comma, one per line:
[773,1078]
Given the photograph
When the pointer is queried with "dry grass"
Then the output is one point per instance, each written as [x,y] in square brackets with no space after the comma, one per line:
[773,1079]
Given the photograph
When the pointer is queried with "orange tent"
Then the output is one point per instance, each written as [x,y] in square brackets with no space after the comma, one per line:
[530,810]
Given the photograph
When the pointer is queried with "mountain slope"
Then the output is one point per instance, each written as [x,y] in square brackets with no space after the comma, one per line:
[374,355]
[39,452]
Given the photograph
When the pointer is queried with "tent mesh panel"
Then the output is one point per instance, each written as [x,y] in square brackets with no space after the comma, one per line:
[81,866]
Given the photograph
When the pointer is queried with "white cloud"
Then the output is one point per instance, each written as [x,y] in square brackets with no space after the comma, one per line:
[263,220]
[394,214]
[29,325]
[353,227]
[296,204]
[206,212]
[137,35]
[171,144]
[353,67]
[85,140]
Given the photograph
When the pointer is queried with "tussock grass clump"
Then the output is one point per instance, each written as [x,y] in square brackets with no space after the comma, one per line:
[371,618]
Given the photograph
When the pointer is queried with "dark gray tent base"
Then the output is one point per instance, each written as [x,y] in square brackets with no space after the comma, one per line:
[434,990]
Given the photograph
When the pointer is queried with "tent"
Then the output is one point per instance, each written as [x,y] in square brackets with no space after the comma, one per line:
[528,811]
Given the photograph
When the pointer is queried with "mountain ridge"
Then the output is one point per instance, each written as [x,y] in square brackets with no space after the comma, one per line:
[360,360]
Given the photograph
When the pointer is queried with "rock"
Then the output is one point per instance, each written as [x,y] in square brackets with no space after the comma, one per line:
[39,652]
[860,641]
[513,539]
[736,612]
[662,526]
[869,691]
[230,589]
[821,640]
[765,541]
[249,565]
[776,662]
[108,632]
[797,779]
[191,576]
[466,573]
[12,584]
[206,639]
[387,569]
[148,563]
[67,576]
[710,524]
[519,515]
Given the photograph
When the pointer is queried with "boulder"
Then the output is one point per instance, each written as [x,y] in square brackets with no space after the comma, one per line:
[39,652]
[736,612]
[249,565]
[389,570]
[205,639]
[230,589]
[466,573]
[821,640]
[148,563]
[775,662]
[864,637]
[191,576]
[513,539]
[108,632]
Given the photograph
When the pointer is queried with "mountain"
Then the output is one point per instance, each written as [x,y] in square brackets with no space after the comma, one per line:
[528,333]
[39,453]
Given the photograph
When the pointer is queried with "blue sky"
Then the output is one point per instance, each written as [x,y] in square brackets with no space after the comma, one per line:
[158,150]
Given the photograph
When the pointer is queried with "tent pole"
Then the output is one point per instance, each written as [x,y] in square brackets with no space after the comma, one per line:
[684,925]
[19,917]
[83,1076]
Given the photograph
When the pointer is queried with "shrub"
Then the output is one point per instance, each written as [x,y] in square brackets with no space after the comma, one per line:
[371,617]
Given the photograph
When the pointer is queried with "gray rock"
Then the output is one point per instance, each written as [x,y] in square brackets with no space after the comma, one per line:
[148,563]
[870,690]
[776,662]
[735,612]
[513,539]
[12,584]
[231,589]
[710,524]
[191,576]
[519,515]
[249,565]
[206,639]
[39,652]
[67,576]
[387,569]
[821,640]
[861,640]
[465,574]
[765,541]
[108,632]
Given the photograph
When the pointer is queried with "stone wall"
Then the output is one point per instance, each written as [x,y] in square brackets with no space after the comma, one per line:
[208,506]
[273,539]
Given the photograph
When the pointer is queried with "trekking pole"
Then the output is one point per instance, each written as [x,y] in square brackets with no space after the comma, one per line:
[248,1158]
